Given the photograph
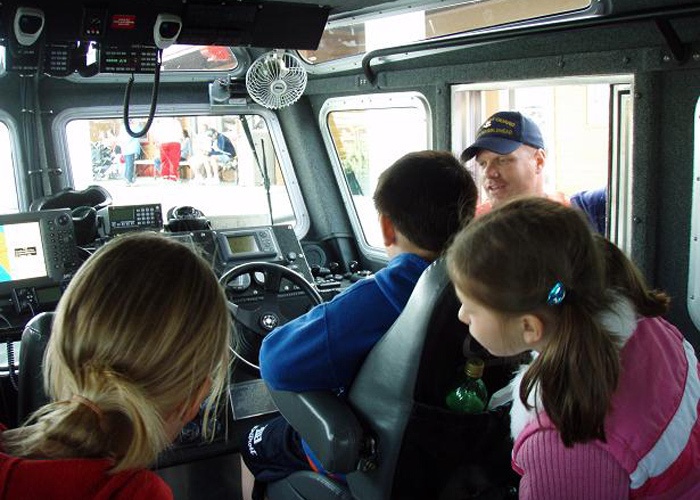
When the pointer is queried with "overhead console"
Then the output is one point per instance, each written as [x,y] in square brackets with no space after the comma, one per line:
[123,36]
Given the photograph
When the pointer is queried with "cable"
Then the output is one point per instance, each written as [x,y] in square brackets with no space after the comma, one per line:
[11,364]
[154,100]
[10,355]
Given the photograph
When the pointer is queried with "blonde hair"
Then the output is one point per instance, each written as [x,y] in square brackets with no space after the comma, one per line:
[141,328]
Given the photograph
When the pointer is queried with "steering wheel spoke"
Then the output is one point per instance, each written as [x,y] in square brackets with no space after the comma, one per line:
[253,324]
[273,281]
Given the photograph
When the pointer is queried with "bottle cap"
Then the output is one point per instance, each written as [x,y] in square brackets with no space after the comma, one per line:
[474,367]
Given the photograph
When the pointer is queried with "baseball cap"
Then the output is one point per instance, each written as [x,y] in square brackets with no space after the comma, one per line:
[503,133]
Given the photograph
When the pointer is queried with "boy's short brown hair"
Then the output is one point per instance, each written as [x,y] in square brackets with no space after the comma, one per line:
[429,196]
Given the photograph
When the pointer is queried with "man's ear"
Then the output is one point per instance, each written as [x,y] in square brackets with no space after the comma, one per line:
[539,157]
[532,330]
[388,230]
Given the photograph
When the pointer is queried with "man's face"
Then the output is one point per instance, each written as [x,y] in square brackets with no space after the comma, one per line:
[506,176]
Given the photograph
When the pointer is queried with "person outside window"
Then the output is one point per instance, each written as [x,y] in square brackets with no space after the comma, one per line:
[510,154]
[185,146]
[222,152]
[130,150]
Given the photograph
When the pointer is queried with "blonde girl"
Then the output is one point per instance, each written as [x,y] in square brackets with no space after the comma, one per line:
[139,339]
[608,407]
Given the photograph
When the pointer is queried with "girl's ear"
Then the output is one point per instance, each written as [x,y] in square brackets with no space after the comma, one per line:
[186,411]
[532,330]
[196,402]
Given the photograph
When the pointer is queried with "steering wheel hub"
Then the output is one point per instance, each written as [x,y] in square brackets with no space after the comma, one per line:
[269,321]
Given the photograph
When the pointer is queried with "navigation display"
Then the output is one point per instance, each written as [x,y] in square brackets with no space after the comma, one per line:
[21,252]
[242,244]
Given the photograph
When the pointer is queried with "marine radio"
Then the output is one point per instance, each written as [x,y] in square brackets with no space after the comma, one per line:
[113,220]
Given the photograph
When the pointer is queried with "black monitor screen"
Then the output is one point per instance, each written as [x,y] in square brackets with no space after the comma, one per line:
[21,252]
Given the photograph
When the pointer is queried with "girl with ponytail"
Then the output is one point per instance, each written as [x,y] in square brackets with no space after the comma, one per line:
[608,408]
[140,338]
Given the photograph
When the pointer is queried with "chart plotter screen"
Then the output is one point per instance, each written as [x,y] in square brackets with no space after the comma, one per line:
[21,252]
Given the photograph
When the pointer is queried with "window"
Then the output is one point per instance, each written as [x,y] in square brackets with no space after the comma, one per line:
[8,186]
[217,164]
[694,259]
[349,38]
[574,116]
[198,58]
[365,135]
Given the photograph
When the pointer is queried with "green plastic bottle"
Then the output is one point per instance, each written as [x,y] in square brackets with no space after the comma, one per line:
[471,395]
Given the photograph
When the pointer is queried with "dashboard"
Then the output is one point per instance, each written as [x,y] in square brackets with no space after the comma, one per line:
[42,254]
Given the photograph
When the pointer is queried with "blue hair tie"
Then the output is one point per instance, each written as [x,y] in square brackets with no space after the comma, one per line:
[556,294]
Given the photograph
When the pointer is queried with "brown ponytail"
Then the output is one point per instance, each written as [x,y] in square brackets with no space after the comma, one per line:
[577,371]
[624,277]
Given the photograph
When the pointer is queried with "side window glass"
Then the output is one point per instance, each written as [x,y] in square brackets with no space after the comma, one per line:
[198,58]
[8,186]
[217,164]
[364,135]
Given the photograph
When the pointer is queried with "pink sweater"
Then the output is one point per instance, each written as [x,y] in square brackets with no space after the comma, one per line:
[652,430]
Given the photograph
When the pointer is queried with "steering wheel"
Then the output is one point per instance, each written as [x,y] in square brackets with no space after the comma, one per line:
[266,315]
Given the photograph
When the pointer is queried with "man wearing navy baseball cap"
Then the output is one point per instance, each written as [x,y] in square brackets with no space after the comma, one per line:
[510,155]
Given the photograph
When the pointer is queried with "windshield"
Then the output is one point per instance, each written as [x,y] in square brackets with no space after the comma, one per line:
[225,166]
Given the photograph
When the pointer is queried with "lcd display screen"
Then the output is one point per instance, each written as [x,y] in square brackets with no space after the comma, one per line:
[242,244]
[21,252]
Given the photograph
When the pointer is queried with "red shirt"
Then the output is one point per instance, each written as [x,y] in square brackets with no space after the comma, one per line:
[75,479]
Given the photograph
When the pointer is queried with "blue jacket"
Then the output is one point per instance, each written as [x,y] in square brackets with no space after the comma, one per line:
[324,348]
[594,204]
[223,146]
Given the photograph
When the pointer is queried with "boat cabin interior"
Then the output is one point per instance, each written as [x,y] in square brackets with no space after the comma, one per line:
[254,131]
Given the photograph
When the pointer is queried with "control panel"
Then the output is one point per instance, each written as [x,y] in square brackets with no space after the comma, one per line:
[276,244]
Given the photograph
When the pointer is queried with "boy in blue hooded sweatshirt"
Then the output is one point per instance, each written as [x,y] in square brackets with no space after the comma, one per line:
[423,199]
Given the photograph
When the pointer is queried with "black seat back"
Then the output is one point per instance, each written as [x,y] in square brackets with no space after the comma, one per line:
[424,449]
[396,403]
[32,395]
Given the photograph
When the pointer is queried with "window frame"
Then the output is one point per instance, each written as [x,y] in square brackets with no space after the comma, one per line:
[619,226]
[595,9]
[693,299]
[21,193]
[303,222]
[366,102]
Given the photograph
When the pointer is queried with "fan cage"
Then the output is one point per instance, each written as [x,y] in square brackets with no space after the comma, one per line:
[275,81]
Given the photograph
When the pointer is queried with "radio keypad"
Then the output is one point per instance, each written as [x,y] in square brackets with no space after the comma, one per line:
[62,240]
